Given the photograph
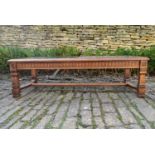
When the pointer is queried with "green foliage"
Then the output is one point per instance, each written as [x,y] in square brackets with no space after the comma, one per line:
[7,53]
[97,52]
[150,52]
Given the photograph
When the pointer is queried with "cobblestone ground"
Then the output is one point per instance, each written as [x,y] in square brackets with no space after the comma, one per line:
[109,108]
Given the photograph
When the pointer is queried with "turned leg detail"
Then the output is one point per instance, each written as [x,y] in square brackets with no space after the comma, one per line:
[127,74]
[142,79]
[34,75]
[15,81]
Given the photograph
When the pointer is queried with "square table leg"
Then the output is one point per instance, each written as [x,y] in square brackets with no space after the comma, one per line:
[127,74]
[34,75]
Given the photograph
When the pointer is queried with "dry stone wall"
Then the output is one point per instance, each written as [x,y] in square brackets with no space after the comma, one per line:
[80,36]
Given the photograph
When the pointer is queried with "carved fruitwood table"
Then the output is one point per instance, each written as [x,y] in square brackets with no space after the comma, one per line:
[111,62]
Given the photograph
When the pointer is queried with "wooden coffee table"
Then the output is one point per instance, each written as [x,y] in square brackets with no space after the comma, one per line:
[111,62]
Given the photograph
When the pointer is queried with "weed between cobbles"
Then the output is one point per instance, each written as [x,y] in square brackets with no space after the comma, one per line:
[50,123]
[136,108]
[92,115]
[101,110]
[135,116]
[23,106]
[118,113]
[79,117]
[65,115]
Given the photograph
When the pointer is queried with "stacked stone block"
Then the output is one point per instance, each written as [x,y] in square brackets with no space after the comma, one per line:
[80,36]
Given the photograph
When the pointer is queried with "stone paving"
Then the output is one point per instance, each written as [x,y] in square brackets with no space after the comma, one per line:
[72,108]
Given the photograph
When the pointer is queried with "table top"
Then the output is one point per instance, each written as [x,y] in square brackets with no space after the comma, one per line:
[81,58]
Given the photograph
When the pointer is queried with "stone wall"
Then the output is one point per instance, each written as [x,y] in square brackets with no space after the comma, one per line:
[101,37]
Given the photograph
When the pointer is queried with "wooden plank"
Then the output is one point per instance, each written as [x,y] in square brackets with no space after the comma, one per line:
[82,58]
